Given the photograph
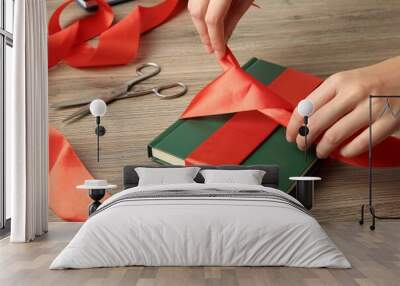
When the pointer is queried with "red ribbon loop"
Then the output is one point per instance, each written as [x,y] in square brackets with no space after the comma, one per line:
[118,44]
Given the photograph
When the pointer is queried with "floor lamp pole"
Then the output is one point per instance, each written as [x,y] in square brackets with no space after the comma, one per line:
[370,206]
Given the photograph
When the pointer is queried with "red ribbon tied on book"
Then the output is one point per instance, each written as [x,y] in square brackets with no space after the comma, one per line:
[259,109]
[118,44]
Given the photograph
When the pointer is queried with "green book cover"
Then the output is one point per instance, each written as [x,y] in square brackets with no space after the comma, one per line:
[173,145]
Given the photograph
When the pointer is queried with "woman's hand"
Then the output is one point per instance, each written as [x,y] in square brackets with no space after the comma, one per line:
[215,21]
[341,109]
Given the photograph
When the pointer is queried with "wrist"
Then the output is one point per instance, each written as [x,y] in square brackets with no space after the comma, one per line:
[374,80]
[384,77]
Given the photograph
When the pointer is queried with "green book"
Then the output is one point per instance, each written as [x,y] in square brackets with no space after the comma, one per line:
[173,145]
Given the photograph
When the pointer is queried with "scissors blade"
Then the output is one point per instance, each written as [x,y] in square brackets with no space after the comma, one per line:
[71,103]
[85,110]
[79,113]
[82,101]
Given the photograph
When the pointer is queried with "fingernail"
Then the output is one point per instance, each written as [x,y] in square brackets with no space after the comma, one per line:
[344,152]
[289,139]
[318,152]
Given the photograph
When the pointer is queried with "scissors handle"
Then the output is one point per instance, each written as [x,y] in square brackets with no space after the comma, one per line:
[159,89]
[154,68]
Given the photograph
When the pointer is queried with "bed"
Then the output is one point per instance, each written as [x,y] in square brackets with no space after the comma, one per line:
[201,224]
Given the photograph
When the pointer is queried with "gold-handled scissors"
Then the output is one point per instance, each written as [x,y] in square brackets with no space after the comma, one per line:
[125,91]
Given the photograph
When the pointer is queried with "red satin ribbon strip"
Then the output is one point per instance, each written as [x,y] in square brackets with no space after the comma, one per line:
[66,171]
[226,145]
[294,85]
[385,155]
[235,91]
[118,44]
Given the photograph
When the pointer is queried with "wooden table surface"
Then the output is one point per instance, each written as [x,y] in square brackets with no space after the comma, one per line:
[320,37]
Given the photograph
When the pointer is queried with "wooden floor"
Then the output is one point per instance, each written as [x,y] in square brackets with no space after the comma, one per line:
[375,257]
[320,37]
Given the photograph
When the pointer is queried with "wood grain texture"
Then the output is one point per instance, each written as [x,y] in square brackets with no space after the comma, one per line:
[375,258]
[320,37]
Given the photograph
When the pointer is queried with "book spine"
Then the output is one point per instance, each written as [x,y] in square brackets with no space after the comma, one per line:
[160,137]
[160,162]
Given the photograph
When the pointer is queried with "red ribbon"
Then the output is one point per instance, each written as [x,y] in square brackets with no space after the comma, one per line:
[118,44]
[236,91]
[66,171]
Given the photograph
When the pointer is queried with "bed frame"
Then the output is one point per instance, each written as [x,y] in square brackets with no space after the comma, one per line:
[271,177]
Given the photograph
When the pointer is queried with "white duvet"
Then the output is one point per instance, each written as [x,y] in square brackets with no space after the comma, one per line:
[200,231]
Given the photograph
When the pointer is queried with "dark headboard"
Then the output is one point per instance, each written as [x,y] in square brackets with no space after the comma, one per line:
[271,177]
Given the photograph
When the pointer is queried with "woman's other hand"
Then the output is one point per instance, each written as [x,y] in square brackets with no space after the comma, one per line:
[341,109]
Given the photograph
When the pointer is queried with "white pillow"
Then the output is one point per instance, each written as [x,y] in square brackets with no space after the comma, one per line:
[164,176]
[247,177]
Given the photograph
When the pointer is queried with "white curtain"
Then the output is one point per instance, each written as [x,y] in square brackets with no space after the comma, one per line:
[26,123]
